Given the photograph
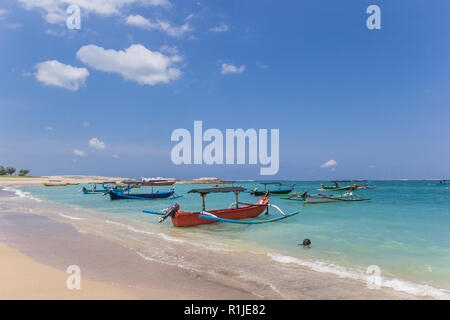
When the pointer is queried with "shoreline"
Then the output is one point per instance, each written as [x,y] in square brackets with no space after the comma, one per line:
[85,179]
[317,285]
[81,179]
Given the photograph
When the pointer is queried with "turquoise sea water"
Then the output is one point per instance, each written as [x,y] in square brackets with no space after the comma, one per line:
[404,229]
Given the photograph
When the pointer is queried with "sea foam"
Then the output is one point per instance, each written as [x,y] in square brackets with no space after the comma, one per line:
[70,217]
[396,284]
[21,194]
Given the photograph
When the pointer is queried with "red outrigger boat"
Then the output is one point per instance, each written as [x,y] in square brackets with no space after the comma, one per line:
[232,214]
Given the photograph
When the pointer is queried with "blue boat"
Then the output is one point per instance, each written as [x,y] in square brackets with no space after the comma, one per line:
[278,191]
[117,194]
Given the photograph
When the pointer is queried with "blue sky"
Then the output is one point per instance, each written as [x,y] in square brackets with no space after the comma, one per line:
[375,101]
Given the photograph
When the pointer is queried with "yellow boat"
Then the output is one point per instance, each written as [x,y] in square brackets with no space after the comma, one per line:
[56,184]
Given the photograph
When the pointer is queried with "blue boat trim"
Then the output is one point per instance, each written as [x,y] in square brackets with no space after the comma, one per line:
[154,212]
[248,222]
[116,195]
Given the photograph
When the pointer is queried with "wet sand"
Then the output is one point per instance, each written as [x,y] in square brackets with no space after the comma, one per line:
[43,242]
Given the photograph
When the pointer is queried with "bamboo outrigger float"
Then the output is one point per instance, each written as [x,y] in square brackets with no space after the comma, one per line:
[323,198]
[233,214]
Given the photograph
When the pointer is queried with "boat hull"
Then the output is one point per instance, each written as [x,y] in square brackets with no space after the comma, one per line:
[339,189]
[261,193]
[139,196]
[187,219]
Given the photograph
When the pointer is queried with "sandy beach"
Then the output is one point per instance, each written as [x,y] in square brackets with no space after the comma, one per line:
[23,278]
[76,179]
[28,181]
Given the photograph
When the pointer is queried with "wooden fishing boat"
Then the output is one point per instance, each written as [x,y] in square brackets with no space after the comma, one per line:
[233,214]
[56,184]
[99,187]
[323,198]
[351,187]
[337,188]
[157,183]
[278,191]
[122,194]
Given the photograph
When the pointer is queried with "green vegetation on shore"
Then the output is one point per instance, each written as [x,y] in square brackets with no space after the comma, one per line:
[9,171]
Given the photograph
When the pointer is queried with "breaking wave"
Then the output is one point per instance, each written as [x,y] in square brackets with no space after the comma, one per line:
[21,194]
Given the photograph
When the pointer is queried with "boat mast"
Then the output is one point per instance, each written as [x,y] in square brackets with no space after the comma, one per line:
[237,198]
[203,195]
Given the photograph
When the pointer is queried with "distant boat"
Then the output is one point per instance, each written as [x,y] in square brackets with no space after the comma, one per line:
[278,191]
[322,198]
[56,184]
[336,186]
[156,182]
[104,187]
[126,194]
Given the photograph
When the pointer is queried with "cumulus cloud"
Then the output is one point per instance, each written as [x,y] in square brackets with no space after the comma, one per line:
[57,74]
[136,63]
[329,164]
[222,27]
[97,144]
[79,153]
[161,25]
[55,10]
[229,68]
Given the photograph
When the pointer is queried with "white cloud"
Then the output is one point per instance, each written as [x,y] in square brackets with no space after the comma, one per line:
[97,144]
[55,73]
[329,163]
[163,26]
[372,166]
[136,63]
[3,13]
[85,124]
[55,10]
[172,50]
[79,153]
[222,27]
[49,128]
[229,68]
[115,156]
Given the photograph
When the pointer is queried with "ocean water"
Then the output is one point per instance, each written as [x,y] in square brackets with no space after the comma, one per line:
[404,230]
